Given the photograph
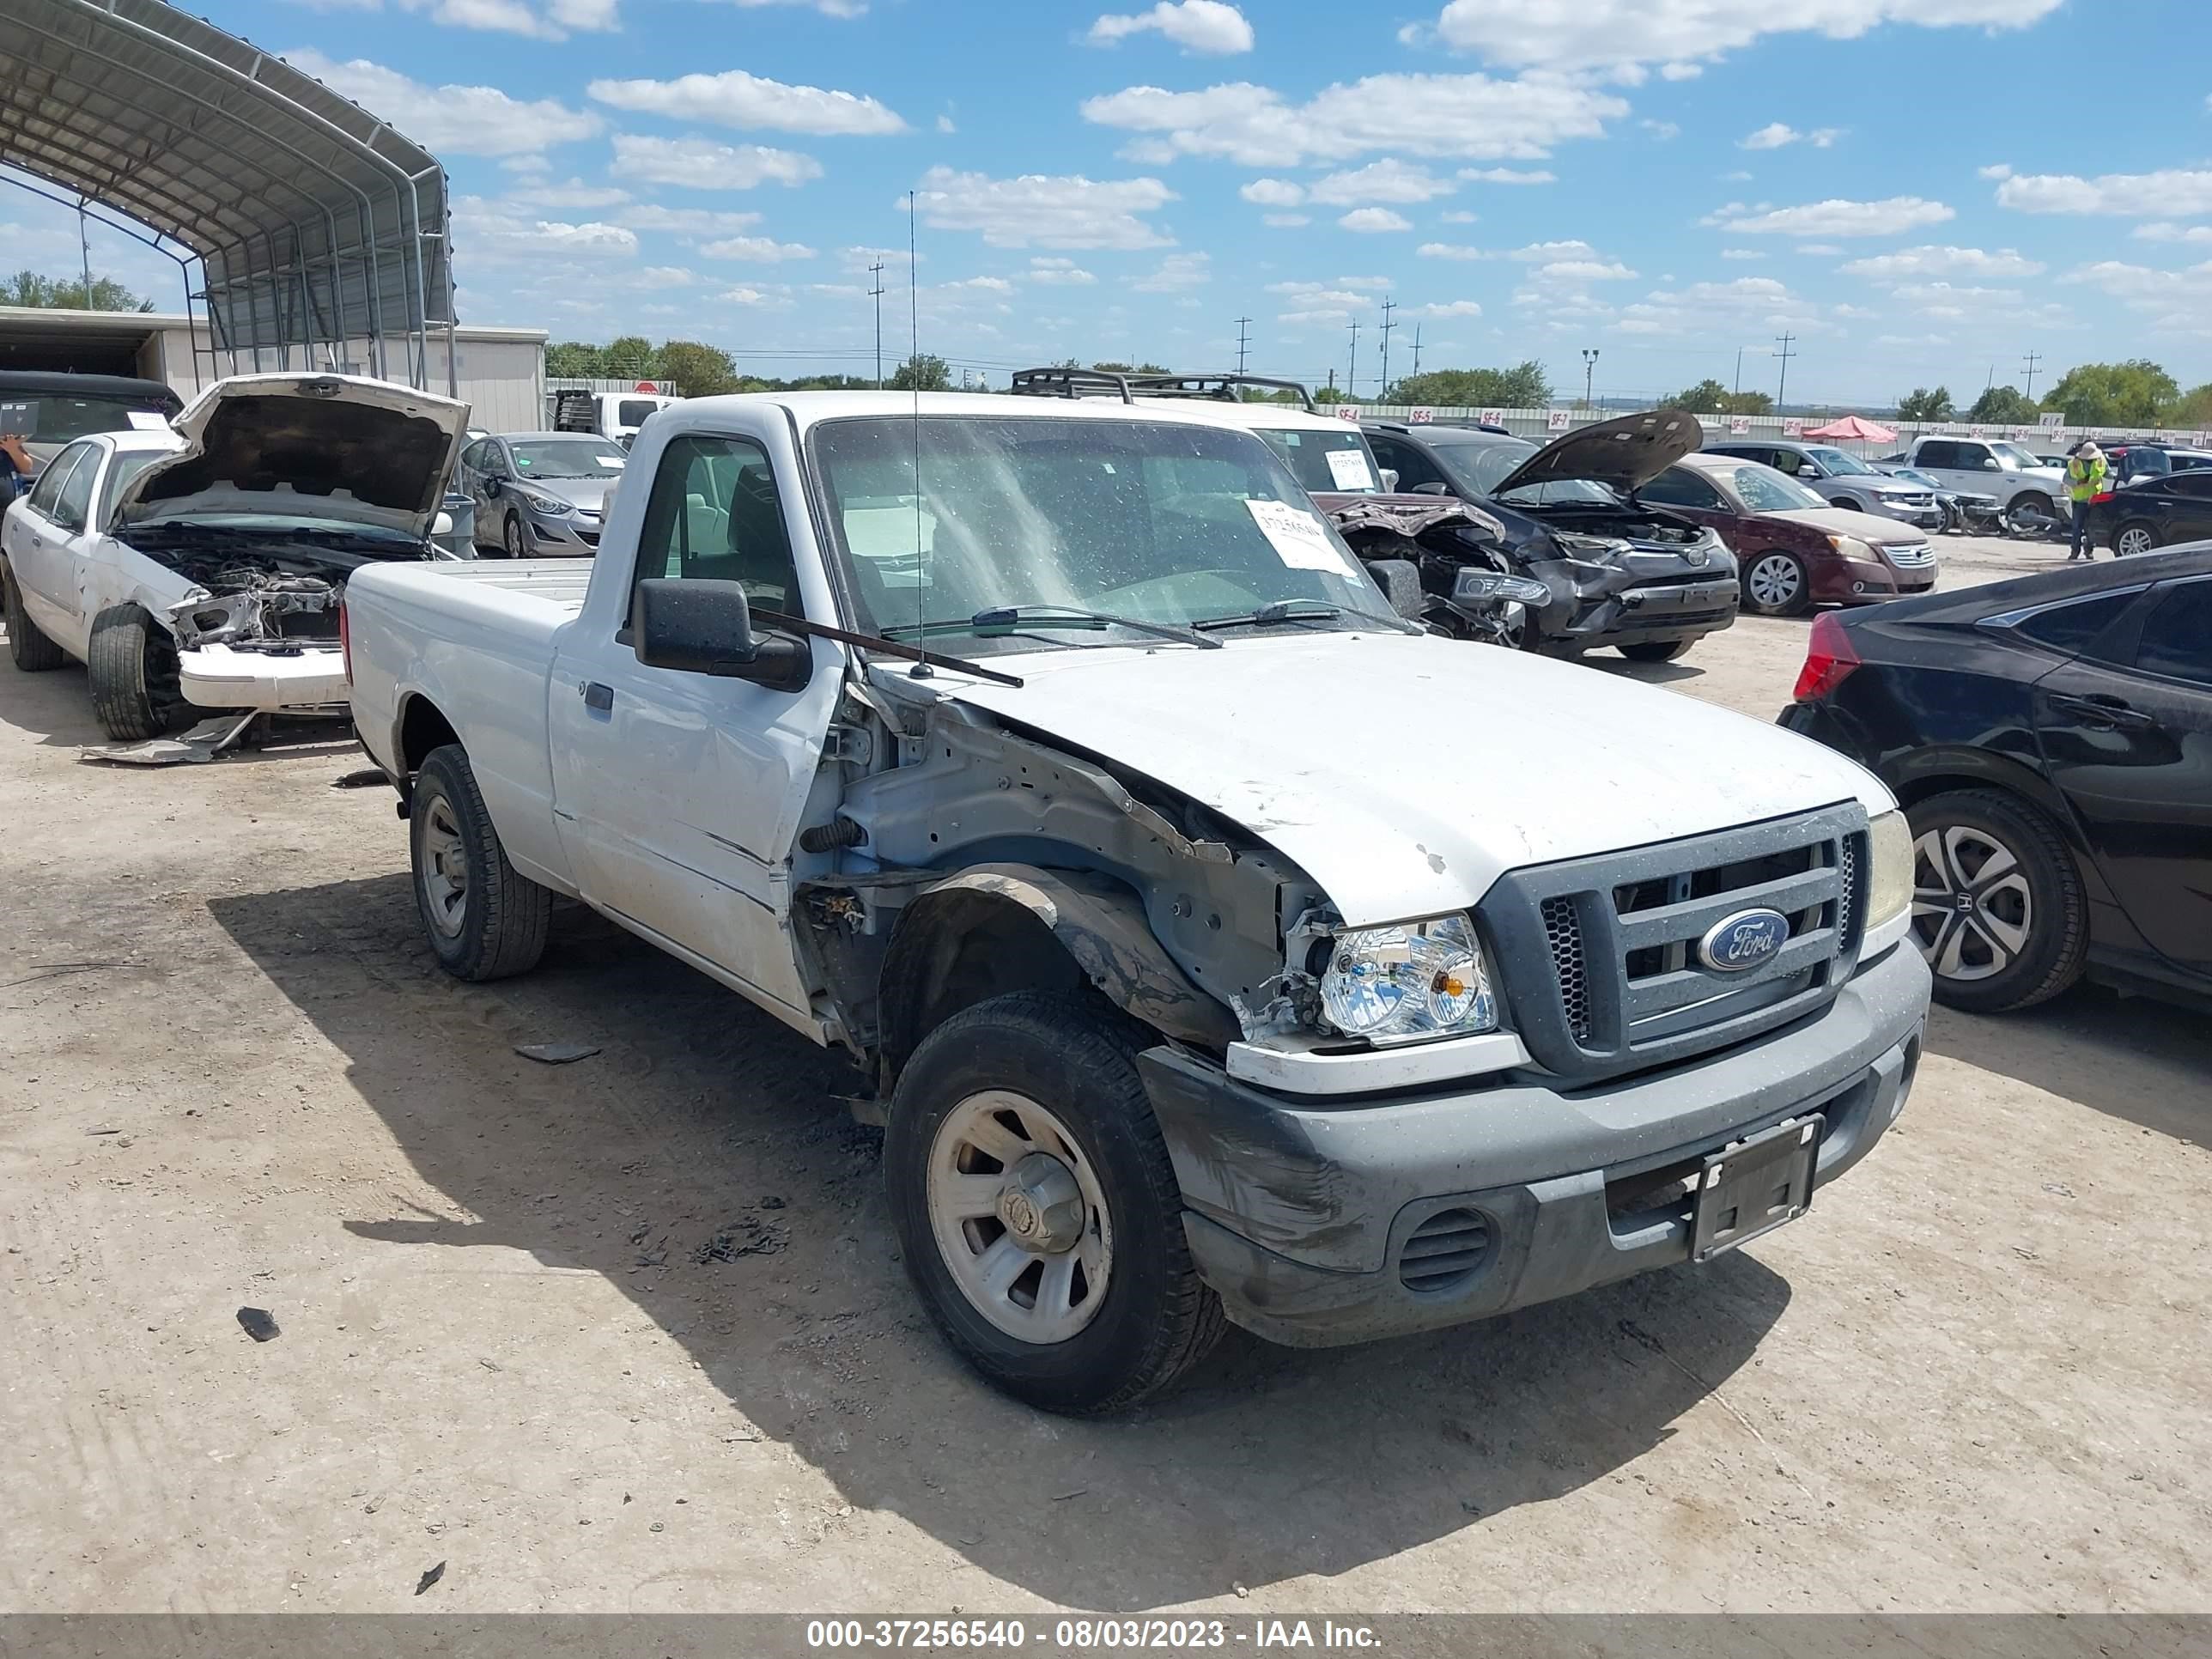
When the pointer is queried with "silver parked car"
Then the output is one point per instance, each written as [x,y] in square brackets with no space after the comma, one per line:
[540,494]
[1840,479]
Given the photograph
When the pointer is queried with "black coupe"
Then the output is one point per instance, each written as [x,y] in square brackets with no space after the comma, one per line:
[2051,739]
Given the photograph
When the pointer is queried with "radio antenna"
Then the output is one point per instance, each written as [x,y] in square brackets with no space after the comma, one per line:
[921,670]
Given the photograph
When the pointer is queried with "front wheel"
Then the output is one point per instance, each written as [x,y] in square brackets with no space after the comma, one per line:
[1037,1210]
[1775,585]
[1657,650]
[2134,539]
[1997,908]
[133,665]
[484,920]
[511,539]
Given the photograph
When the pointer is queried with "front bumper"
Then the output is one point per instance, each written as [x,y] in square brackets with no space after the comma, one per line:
[576,537]
[1642,610]
[309,679]
[1299,1215]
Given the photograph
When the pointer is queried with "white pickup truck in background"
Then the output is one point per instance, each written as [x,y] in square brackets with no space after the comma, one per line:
[1214,942]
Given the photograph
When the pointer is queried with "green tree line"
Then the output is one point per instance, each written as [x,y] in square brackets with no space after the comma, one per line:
[30,287]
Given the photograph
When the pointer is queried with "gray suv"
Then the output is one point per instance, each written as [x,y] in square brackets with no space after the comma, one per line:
[1843,480]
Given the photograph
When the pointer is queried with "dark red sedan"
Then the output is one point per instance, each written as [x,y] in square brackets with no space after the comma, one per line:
[1793,550]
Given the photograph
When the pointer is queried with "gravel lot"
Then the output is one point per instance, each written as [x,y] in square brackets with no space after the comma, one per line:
[1974,1378]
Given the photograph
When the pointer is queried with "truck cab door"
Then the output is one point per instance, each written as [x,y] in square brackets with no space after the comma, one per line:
[678,796]
[2128,740]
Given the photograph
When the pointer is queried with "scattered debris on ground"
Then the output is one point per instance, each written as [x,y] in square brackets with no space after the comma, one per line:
[257,1323]
[203,743]
[367,778]
[429,1578]
[747,1236]
[557,1053]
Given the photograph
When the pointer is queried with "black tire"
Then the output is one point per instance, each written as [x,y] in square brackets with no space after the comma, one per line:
[2120,537]
[1075,1057]
[133,664]
[512,542]
[2057,922]
[31,650]
[498,928]
[1792,596]
[1657,650]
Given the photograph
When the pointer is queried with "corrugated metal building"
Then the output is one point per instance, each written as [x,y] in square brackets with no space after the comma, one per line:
[499,372]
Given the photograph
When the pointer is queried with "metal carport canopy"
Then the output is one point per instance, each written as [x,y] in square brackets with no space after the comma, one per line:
[316,225]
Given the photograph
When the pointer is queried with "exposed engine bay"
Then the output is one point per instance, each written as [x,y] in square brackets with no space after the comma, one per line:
[259,591]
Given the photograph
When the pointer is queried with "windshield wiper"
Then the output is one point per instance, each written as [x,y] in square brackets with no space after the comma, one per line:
[1289,611]
[1006,617]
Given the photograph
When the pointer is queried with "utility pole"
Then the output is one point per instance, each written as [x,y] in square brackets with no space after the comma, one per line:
[2028,368]
[1590,373]
[1739,371]
[876,271]
[1242,323]
[1417,349]
[1388,305]
[1352,374]
[84,246]
[1785,354]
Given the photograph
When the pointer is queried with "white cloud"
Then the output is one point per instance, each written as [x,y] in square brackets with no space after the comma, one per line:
[462,120]
[1285,220]
[1060,273]
[735,99]
[2137,195]
[500,16]
[1474,116]
[1507,176]
[1377,284]
[1451,308]
[1197,26]
[756,250]
[1545,253]
[1678,34]
[2162,231]
[1834,217]
[1370,220]
[574,194]
[1947,299]
[1741,253]
[1177,272]
[1273,192]
[827,8]
[1943,261]
[1316,298]
[702,164]
[2000,171]
[1819,250]
[686,222]
[488,232]
[1045,211]
[588,16]
[1459,217]
[663,276]
[1662,131]
[987,284]
[1386,181]
[945,124]
[1772,137]
[2178,301]
[1452,250]
[743,297]
[1719,309]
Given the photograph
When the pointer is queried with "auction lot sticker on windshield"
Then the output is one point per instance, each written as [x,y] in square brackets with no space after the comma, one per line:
[1297,537]
[148,420]
[1349,468]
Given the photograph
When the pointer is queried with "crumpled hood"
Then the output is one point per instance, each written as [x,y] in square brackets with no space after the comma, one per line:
[1406,772]
[305,445]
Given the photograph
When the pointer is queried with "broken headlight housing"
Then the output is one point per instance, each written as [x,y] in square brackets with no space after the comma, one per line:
[1404,983]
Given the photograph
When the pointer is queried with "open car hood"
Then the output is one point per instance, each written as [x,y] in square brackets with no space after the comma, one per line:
[305,445]
[1623,454]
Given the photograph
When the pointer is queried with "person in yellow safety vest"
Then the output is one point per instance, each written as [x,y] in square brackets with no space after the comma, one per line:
[2085,480]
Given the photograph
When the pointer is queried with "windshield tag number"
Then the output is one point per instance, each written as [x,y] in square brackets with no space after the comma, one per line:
[1299,539]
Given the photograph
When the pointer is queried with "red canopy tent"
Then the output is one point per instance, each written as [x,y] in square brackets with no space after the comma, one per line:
[1852,430]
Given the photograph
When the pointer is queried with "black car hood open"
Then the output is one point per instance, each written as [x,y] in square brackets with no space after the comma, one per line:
[1623,454]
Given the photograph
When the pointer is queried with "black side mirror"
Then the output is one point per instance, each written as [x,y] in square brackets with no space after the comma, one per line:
[491,483]
[706,628]
[1400,583]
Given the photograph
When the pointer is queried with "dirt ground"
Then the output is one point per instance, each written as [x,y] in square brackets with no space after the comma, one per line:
[1975,1377]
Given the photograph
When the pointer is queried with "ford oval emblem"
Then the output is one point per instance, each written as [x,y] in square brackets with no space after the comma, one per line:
[1744,940]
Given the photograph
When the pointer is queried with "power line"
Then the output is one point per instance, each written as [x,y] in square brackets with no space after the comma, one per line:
[876,271]
[1242,323]
[2028,368]
[1388,305]
[1785,354]
[1352,374]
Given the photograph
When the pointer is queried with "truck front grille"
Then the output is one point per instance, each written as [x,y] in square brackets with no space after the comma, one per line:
[1602,958]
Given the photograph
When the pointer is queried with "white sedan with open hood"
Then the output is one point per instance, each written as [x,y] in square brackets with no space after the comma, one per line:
[201,568]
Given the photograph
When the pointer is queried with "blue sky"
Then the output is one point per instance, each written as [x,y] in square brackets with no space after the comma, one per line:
[1917,190]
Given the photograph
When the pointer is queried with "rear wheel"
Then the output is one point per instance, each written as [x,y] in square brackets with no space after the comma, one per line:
[1775,585]
[32,651]
[1037,1210]
[2133,538]
[133,664]
[484,920]
[1657,650]
[1997,908]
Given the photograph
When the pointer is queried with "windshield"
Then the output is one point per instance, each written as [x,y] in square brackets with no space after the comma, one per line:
[568,457]
[1913,474]
[1479,468]
[49,420]
[127,464]
[1835,460]
[1340,462]
[2012,457]
[1763,489]
[1162,522]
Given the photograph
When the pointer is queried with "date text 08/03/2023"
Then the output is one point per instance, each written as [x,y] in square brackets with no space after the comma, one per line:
[1091,1635]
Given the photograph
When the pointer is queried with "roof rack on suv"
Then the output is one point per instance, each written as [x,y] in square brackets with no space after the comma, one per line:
[1060,382]
[1221,387]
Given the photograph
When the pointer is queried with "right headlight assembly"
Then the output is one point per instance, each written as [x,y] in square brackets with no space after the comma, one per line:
[1405,983]
[1889,883]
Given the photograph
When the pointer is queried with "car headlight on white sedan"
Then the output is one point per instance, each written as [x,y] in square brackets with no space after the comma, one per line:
[1412,981]
[1889,882]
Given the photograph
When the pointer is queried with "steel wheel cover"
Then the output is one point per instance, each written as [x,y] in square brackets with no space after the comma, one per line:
[1042,1295]
[444,877]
